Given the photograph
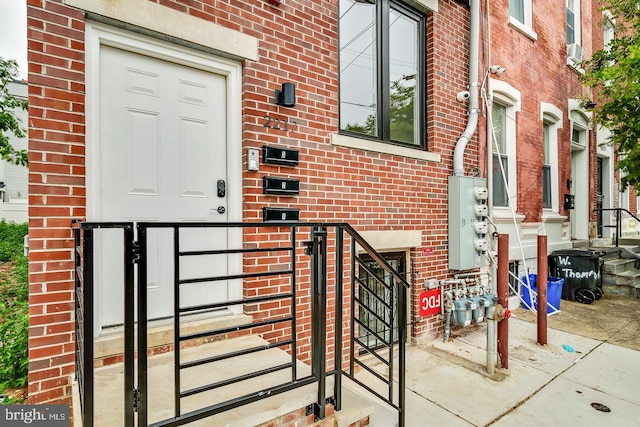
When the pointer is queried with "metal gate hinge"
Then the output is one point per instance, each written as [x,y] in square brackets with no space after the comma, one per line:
[135,252]
[136,400]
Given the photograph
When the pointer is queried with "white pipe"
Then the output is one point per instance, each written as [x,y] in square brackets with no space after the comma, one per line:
[474,110]
[492,341]
[492,329]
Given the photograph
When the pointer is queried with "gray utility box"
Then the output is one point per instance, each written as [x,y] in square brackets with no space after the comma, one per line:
[467,222]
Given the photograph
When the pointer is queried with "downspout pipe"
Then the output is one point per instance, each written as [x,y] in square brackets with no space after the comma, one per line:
[474,88]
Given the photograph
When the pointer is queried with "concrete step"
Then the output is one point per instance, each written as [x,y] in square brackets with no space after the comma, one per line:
[617,265]
[600,242]
[109,384]
[612,289]
[629,278]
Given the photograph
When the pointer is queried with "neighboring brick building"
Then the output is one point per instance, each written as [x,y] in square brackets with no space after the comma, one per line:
[381,167]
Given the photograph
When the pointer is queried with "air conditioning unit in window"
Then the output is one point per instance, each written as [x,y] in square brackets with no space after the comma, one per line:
[574,53]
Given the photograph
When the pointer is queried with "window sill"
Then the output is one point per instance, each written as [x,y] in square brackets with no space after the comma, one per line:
[381,147]
[550,216]
[575,65]
[501,213]
[519,26]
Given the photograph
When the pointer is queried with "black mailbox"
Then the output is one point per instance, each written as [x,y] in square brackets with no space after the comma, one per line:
[279,156]
[282,186]
[569,201]
[280,214]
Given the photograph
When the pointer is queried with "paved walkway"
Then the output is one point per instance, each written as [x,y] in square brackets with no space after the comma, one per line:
[560,384]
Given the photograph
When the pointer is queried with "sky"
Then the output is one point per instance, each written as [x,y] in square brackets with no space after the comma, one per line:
[13,32]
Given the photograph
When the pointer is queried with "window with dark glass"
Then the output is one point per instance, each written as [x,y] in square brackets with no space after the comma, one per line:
[516,9]
[546,168]
[571,22]
[376,302]
[382,56]
[500,157]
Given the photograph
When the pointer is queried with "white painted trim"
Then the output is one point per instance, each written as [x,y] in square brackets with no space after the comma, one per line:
[547,109]
[100,34]
[424,5]
[579,119]
[164,20]
[381,147]
[555,115]
[510,97]
[97,35]
[389,240]
[522,28]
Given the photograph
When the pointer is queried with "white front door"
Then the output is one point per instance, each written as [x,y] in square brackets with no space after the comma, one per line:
[163,154]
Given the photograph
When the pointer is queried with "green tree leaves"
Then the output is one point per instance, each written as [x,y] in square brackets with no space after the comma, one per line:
[9,123]
[614,75]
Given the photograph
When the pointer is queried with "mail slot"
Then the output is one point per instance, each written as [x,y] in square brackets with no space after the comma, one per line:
[283,186]
[280,214]
[279,156]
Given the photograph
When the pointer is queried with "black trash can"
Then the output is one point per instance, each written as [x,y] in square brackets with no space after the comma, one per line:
[581,271]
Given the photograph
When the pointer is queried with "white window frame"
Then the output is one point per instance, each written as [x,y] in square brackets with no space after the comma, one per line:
[511,98]
[552,116]
[608,30]
[525,27]
[577,26]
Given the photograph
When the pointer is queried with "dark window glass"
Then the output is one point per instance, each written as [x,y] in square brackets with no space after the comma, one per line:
[516,9]
[375,294]
[382,55]
[546,168]
[499,188]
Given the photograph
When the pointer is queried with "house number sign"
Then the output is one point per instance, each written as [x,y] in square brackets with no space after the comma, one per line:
[286,124]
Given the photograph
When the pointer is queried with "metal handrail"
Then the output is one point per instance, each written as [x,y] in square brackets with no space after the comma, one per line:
[318,248]
[618,225]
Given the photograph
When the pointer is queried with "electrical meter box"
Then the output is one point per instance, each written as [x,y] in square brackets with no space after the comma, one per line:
[468,226]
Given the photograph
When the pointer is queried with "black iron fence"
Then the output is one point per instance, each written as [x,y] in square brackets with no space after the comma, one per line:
[313,268]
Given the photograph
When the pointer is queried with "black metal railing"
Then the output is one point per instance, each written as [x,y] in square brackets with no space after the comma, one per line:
[269,245]
[618,221]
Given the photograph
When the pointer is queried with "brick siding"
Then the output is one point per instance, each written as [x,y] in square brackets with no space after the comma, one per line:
[298,42]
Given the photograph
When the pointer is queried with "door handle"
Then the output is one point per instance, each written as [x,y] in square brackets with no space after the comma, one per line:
[222,188]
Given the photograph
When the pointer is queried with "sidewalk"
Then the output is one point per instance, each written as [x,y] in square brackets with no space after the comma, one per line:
[447,383]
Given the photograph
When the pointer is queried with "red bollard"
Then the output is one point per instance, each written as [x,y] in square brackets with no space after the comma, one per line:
[542,289]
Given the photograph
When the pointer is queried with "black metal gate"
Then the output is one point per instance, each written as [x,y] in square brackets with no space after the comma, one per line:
[274,256]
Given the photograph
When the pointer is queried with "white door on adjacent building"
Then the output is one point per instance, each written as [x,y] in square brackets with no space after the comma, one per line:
[163,142]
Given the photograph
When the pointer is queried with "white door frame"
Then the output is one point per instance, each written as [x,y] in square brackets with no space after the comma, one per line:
[98,34]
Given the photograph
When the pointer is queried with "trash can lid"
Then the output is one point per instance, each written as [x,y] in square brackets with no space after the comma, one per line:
[576,253]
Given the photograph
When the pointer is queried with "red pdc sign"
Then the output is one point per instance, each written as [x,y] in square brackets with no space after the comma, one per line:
[430,302]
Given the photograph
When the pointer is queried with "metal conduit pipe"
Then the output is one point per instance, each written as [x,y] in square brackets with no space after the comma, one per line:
[473,274]
[474,86]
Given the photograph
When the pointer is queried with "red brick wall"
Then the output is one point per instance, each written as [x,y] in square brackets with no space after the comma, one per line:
[538,69]
[297,43]
[56,190]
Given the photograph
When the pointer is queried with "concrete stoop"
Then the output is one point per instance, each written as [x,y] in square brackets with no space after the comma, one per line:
[284,409]
[620,267]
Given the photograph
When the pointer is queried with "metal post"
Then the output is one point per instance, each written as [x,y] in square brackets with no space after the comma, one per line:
[319,315]
[402,340]
[618,225]
[177,401]
[542,289]
[88,313]
[337,385]
[142,327]
[502,289]
[129,325]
